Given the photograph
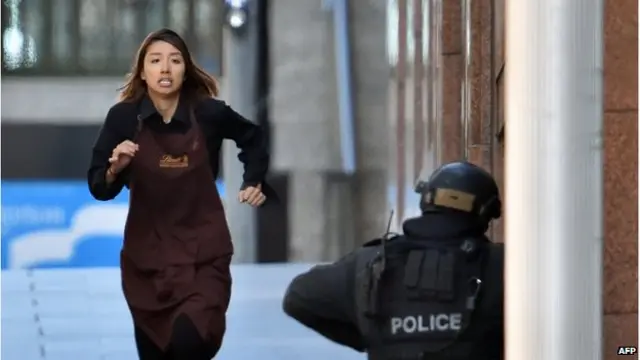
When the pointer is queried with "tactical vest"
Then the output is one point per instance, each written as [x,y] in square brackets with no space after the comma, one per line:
[415,299]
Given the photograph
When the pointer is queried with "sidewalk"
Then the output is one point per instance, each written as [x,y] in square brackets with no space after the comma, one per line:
[81,314]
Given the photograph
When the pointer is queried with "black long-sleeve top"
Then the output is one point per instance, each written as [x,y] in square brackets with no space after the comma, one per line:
[323,299]
[217,120]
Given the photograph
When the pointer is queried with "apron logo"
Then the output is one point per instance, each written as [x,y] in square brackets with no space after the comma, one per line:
[168,161]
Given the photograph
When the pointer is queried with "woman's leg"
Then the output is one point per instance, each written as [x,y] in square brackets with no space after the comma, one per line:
[186,342]
[147,349]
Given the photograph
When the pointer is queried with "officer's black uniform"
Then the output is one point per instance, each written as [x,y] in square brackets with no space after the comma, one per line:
[434,293]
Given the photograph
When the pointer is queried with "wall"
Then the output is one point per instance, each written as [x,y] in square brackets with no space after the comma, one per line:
[620,137]
[621,176]
[330,212]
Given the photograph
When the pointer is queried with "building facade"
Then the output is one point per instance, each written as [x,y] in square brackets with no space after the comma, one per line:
[473,63]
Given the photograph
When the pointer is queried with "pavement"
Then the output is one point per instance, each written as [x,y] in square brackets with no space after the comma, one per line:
[80,314]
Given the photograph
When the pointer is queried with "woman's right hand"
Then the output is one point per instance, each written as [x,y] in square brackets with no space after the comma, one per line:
[122,155]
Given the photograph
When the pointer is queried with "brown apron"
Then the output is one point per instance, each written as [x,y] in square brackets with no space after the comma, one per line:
[177,247]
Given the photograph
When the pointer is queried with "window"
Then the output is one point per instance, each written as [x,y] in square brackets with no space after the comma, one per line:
[393,20]
[98,37]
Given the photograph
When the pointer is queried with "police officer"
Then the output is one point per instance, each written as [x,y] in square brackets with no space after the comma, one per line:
[433,293]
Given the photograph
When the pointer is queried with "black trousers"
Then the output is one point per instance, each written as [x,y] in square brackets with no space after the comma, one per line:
[186,344]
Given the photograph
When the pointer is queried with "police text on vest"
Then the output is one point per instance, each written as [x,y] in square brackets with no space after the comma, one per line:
[434,322]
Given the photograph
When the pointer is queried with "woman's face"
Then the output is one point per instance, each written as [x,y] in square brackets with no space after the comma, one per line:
[163,69]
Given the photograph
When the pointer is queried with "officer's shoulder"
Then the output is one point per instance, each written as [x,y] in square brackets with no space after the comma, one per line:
[378,241]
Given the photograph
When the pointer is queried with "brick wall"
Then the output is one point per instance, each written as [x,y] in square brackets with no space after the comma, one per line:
[620,174]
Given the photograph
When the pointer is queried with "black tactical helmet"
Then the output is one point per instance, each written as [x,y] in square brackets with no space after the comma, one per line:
[461,186]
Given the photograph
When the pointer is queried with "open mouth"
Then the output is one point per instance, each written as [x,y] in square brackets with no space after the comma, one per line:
[165,83]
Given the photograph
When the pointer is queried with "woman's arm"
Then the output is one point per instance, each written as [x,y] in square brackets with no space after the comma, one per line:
[251,141]
[103,184]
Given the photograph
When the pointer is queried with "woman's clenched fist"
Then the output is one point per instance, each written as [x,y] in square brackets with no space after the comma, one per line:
[122,155]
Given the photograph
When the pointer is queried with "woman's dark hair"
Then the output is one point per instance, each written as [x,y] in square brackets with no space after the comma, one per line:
[197,84]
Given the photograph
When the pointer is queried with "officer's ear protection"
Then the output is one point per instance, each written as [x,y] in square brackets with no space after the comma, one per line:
[491,209]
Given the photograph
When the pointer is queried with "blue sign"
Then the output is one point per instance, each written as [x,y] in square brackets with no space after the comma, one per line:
[58,224]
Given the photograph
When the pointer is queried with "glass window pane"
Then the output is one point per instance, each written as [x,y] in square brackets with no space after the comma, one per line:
[100,37]
[125,38]
[32,24]
[209,16]
[392,31]
[62,48]
[19,47]
[155,12]
[94,35]
[179,16]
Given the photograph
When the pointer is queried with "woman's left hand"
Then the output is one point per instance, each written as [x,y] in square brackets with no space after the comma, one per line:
[252,195]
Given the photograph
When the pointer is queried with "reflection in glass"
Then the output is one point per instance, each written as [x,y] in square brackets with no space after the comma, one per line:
[433,157]
[31,21]
[178,15]
[99,37]
[18,48]
[155,15]
[125,39]
[392,30]
[95,34]
[62,14]
[208,15]
[418,104]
